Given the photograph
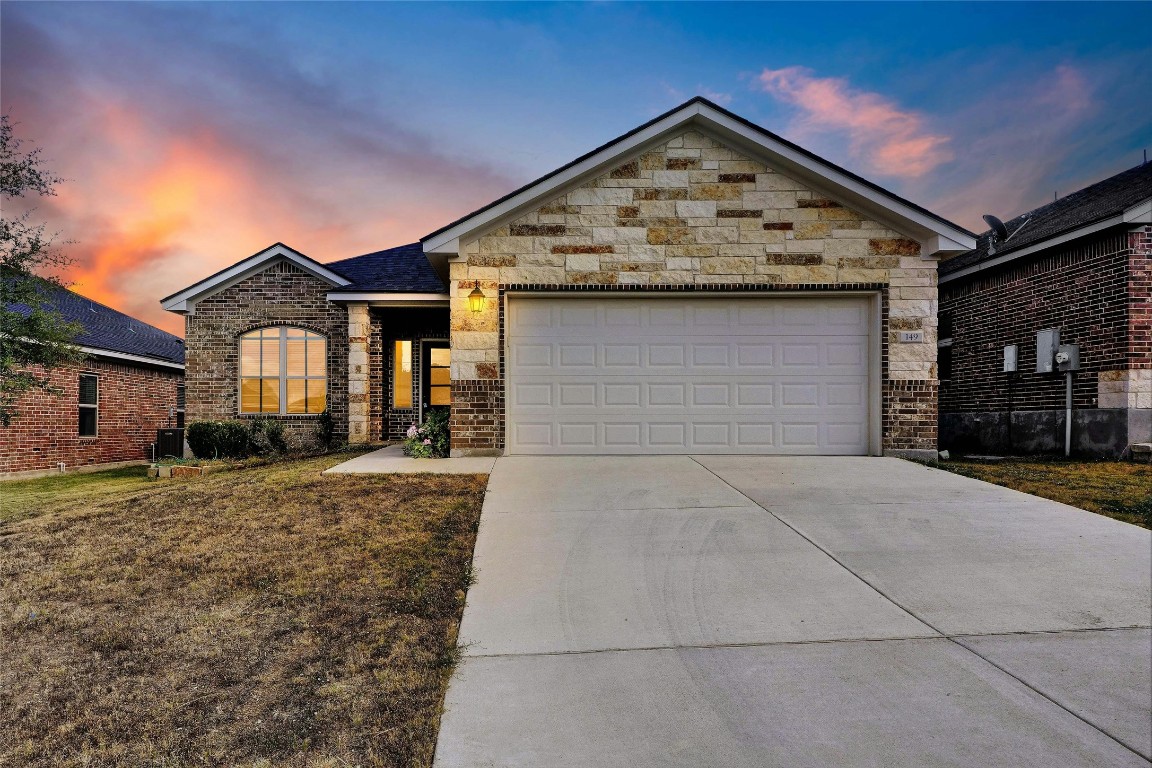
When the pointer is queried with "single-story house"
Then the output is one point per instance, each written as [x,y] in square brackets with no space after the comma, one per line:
[105,410]
[697,285]
[1079,266]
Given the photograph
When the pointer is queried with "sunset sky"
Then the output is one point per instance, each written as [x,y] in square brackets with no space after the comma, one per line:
[193,135]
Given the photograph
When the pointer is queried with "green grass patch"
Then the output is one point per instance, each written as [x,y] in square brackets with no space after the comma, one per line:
[25,498]
[1117,489]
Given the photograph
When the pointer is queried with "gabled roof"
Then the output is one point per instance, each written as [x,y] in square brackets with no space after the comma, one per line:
[1119,199]
[936,234]
[107,330]
[184,301]
[403,269]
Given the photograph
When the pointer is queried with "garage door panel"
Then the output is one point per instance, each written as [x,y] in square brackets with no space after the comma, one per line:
[688,375]
[788,355]
[745,395]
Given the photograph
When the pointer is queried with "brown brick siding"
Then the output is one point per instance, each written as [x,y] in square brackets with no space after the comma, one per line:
[910,414]
[477,421]
[134,402]
[1081,289]
[282,294]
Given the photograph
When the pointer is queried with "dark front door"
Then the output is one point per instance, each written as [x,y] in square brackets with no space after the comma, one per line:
[436,378]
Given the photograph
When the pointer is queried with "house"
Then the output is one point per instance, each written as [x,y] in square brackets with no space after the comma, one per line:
[1079,265]
[697,285]
[105,410]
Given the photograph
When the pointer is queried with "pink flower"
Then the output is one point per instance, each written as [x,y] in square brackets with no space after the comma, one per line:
[412,431]
[427,441]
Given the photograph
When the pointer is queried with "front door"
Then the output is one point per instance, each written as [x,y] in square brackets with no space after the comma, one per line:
[436,378]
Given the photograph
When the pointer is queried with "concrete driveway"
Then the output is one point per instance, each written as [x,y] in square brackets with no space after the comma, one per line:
[770,611]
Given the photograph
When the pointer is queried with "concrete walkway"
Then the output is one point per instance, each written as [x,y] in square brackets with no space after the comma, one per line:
[740,611]
[392,461]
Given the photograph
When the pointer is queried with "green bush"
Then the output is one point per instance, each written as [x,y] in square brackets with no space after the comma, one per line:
[266,437]
[219,439]
[430,439]
[326,430]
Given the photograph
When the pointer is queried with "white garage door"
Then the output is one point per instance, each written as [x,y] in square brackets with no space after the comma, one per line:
[688,375]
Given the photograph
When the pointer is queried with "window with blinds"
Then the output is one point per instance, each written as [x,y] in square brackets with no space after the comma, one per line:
[89,404]
[283,370]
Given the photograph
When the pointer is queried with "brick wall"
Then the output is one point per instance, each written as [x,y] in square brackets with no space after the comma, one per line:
[134,402]
[282,294]
[691,214]
[1081,289]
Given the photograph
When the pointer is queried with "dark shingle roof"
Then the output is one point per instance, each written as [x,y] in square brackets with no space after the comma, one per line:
[107,329]
[1100,201]
[404,269]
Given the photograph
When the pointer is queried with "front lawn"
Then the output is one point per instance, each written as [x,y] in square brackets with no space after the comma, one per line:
[269,616]
[1116,489]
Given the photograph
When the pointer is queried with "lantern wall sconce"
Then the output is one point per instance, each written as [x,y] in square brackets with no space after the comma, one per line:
[476,299]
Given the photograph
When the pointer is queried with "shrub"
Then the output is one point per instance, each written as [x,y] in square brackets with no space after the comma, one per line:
[326,430]
[266,437]
[203,438]
[218,439]
[430,439]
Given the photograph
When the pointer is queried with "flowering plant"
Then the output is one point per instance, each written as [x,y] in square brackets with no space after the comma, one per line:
[430,439]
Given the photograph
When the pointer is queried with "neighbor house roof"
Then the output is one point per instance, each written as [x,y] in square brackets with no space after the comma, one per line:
[109,332]
[1120,199]
[937,235]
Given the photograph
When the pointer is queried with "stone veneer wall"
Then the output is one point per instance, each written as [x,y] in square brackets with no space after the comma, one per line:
[694,215]
[282,294]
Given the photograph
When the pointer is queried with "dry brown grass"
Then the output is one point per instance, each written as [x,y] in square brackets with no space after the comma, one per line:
[267,616]
[1116,489]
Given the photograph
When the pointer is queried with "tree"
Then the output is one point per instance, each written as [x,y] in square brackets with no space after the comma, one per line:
[34,338]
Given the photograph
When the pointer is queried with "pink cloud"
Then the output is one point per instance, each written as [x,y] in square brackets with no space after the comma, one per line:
[889,140]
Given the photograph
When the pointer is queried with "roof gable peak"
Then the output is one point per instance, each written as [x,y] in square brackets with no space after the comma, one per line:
[936,234]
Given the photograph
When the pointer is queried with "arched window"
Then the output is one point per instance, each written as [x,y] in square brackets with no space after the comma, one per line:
[283,370]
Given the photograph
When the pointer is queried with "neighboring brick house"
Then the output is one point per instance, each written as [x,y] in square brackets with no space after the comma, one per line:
[105,410]
[698,285]
[1082,265]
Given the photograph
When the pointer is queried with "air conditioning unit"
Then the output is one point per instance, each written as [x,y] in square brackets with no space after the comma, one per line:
[169,442]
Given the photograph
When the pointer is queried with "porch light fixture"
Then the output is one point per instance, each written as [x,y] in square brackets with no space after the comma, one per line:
[476,299]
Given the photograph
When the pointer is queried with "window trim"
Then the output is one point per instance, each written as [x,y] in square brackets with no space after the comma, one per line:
[181,404]
[413,377]
[282,374]
[94,407]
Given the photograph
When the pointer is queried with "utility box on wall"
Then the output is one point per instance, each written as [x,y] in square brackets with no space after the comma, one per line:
[1068,357]
[1011,355]
[1047,345]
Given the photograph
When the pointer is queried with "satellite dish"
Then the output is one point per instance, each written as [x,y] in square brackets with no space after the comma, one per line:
[996,226]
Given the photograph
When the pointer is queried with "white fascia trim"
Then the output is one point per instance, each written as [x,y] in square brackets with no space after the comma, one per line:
[448,241]
[383,297]
[929,229]
[95,352]
[185,300]
[1141,213]
[1040,246]
[937,237]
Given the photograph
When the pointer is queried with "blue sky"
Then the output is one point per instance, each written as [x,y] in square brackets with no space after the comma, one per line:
[194,134]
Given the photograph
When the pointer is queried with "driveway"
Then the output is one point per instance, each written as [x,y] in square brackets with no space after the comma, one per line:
[771,611]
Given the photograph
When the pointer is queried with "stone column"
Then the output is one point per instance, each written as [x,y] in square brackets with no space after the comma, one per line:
[358,373]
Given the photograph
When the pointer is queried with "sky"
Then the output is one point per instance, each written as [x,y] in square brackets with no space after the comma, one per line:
[193,135]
